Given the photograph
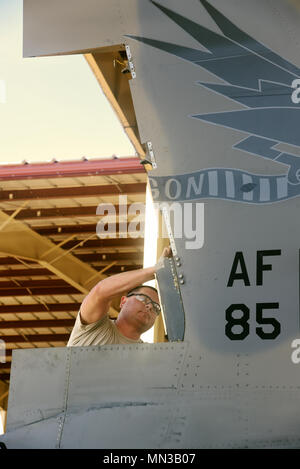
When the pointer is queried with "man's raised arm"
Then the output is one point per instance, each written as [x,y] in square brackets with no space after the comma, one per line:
[96,304]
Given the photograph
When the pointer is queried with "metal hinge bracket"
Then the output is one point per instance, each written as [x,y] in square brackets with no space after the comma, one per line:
[130,63]
[150,152]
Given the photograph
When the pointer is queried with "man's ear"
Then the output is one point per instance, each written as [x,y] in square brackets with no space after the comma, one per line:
[123,301]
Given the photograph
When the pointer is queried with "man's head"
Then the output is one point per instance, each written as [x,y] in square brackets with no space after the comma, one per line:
[139,308]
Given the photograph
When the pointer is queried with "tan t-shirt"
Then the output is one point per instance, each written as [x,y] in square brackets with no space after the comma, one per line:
[102,332]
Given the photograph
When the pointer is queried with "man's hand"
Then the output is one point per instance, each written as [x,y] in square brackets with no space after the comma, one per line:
[167,252]
[96,304]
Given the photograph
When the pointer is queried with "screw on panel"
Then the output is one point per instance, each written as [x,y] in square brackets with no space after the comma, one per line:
[129,57]
[128,52]
[151,154]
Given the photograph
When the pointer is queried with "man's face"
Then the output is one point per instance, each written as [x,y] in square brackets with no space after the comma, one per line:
[136,312]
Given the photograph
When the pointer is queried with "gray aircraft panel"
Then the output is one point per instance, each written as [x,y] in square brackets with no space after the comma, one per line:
[170,299]
[41,434]
[166,401]
[130,427]
[124,373]
[238,419]
[127,381]
[46,369]
[213,94]
[66,17]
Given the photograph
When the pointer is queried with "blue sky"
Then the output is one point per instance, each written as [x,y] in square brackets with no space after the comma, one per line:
[54,106]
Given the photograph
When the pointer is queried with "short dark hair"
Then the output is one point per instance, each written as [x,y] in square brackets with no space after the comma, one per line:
[139,288]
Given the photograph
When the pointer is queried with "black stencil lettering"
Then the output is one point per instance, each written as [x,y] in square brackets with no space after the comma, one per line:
[260,266]
[243,275]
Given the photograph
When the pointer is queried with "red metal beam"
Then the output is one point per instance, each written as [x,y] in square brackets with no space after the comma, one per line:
[62,212]
[4,376]
[101,167]
[48,283]
[71,192]
[5,366]
[8,351]
[105,259]
[121,257]
[14,339]
[82,228]
[99,244]
[39,308]
[13,261]
[39,291]
[114,256]
[34,323]
[24,273]
[36,287]
[132,244]
[93,258]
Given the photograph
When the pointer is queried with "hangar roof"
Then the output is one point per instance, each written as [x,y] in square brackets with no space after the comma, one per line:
[50,254]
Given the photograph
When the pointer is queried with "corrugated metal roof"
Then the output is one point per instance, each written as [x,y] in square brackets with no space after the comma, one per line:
[58,200]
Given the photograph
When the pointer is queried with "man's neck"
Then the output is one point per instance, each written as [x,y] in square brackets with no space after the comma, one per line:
[127,330]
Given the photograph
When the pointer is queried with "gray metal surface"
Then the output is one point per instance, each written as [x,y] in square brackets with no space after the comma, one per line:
[147,396]
[213,94]
[170,300]
[108,391]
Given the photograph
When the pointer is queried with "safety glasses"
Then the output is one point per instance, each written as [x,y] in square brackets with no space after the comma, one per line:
[146,300]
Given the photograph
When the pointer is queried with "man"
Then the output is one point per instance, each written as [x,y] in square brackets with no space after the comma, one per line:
[139,309]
